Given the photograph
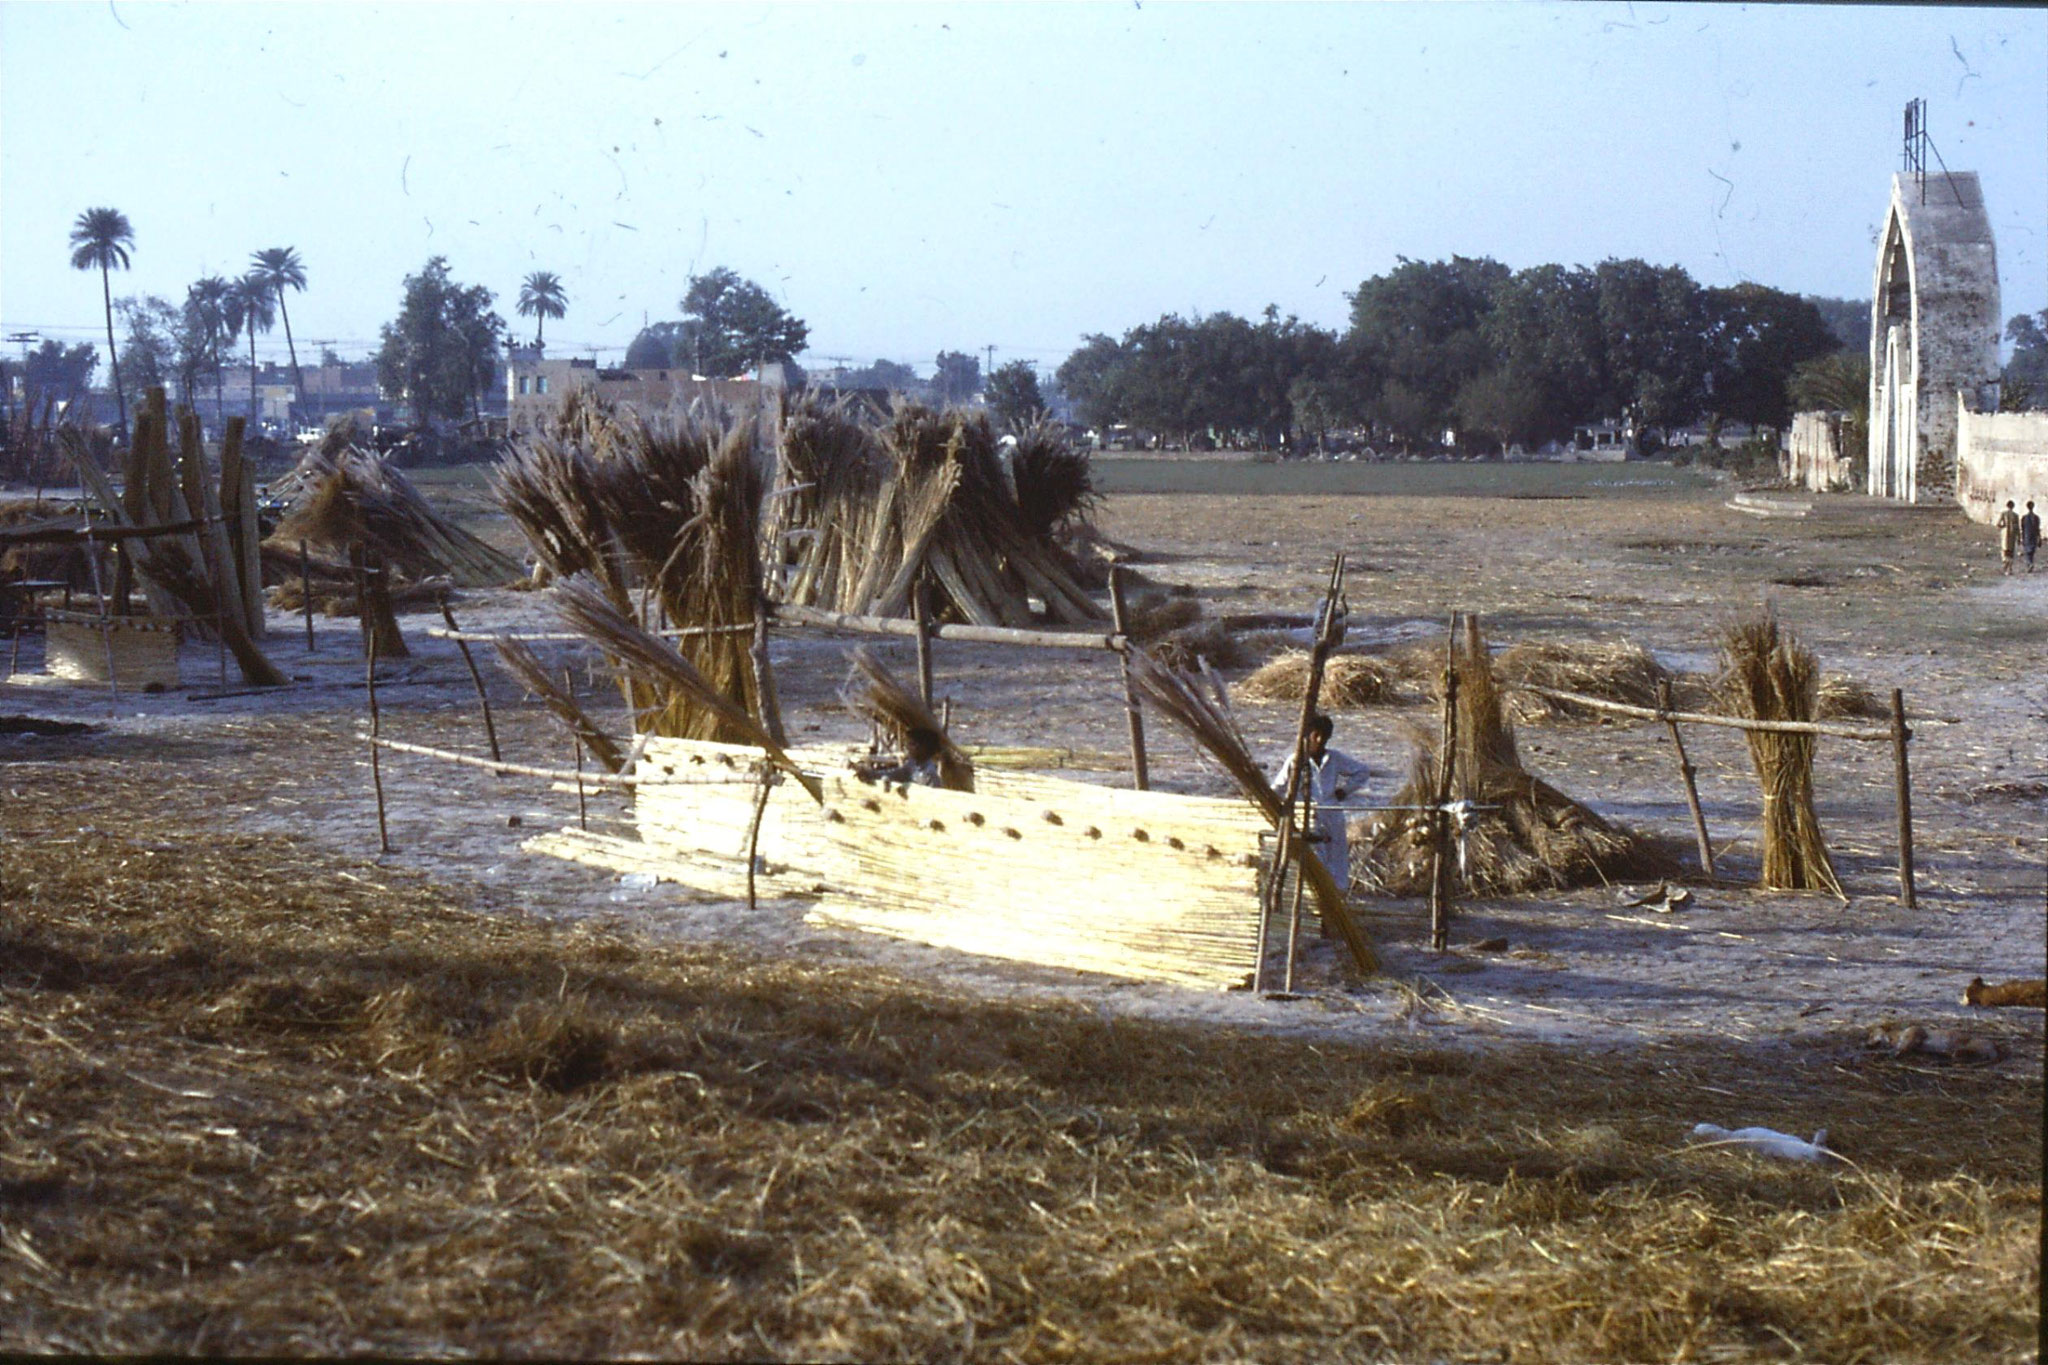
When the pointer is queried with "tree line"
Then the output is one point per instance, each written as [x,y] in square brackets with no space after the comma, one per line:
[1498,356]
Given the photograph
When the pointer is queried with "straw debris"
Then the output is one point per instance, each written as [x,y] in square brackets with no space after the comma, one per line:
[1612,670]
[1349,680]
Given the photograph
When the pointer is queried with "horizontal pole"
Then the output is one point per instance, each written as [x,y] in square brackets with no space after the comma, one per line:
[58,535]
[493,636]
[1782,727]
[787,614]
[562,775]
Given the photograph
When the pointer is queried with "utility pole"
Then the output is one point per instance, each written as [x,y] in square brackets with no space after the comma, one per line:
[989,368]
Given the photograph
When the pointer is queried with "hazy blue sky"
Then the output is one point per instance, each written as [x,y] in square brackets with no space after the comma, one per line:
[910,178]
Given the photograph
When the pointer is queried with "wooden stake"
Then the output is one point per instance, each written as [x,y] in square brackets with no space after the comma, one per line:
[764,677]
[754,831]
[920,611]
[1141,776]
[576,747]
[1440,819]
[306,591]
[92,557]
[376,769]
[483,697]
[1903,781]
[1685,771]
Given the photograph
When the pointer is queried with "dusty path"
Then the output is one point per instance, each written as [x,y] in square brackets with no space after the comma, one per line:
[1906,598]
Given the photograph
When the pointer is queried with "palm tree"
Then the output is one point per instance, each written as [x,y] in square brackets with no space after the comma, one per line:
[208,301]
[280,267]
[542,297]
[101,238]
[249,312]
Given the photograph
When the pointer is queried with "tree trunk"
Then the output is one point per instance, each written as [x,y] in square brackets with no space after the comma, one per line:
[113,356]
[252,376]
[298,384]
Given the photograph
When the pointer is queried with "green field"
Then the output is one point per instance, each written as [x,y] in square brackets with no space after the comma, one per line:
[1141,474]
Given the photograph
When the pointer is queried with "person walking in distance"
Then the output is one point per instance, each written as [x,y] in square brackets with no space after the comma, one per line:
[2008,526]
[2030,534]
[1332,778]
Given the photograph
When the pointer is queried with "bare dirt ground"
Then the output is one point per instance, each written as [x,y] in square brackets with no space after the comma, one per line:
[1742,1008]
[1894,597]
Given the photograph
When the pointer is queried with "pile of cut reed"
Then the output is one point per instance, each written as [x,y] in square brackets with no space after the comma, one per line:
[663,514]
[1349,680]
[877,694]
[1768,675]
[1527,835]
[1612,670]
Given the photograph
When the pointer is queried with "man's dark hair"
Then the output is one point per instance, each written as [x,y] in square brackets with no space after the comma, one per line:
[1320,724]
[923,741]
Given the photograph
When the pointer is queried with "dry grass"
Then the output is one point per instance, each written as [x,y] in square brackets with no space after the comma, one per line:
[1613,670]
[1841,697]
[1349,680]
[263,1101]
[1768,675]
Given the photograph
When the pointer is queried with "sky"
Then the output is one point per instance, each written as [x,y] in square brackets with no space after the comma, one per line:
[911,178]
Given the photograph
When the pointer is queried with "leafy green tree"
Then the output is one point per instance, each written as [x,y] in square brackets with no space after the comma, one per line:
[1317,405]
[1653,325]
[280,268]
[442,349]
[1093,377]
[888,376]
[250,310]
[1422,327]
[1551,365]
[100,240]
[58,375]
[659,346]
[733,325]
[1848,319]
[150,331]
[1756,337]
[541,297]
[1013,393]
[2025,381]
[956,376]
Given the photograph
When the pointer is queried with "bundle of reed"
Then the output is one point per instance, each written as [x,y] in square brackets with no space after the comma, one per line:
[585,606]
[663,514]
[521,663]
[1210,643]
[1349,680]
[335,595]
[1052,479]
[1767,675]
[1613,670]
[872,510]
[1841,697]
[1525,835]
[344,495]
[881,698]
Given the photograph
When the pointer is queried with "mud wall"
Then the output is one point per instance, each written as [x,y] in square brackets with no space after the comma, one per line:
[2000,456]
[1813,456]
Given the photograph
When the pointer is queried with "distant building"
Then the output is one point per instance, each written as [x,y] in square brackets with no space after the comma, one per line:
[534,385]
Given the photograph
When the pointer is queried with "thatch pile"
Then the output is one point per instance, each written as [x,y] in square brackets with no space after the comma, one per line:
[878,695]
[1612,670]
[1767,675]
[344,496]
[1533,837]
[868,509]
[1841,697]
[663,514]
[1349,680]
[334,592]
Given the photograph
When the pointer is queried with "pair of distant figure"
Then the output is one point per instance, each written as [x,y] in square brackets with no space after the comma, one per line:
[2017,535]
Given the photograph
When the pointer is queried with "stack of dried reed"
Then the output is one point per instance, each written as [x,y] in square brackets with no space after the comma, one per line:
[343,496]
[1841,697]
[870,509]
[1767,675]
[664,515]
[209,573]
[1613,670]
[1349,680]
[1530,835]
[881,698]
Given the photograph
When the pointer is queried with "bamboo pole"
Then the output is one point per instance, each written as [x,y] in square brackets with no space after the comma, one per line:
[788,614]
[1141,776]
[561,775]
[1440,818]
[1686,771]
[1902,779]
[491,637]
[921,617]
[376,767]
[483,697]
[764,677]
[576,748]
[306,591]
[1784,727]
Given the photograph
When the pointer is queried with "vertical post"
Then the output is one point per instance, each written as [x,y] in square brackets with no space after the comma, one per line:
[92,558]
[376,768]
[1141,776]
[576,748]
[483,698]
[356,563]
[1308,820]
[306,591]
[1440,818]
[1902,779]
[920,611]
[1685,771]
[764,677]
